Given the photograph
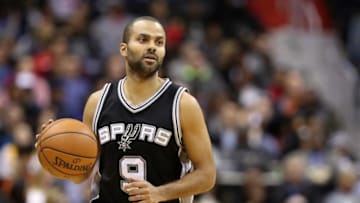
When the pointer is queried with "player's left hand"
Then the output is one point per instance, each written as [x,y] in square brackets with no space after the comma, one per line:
[141,191]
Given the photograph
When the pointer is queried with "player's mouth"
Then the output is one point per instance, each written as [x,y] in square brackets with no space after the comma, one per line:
[151,58]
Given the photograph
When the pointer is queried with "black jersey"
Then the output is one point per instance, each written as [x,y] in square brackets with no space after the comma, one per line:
[142,142]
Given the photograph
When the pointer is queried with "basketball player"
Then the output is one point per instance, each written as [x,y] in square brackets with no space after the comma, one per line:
[154,142]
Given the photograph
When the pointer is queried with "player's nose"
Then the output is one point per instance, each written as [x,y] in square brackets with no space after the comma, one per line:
[151,49]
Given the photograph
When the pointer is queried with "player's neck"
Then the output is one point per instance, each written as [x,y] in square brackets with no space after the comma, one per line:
[138,90]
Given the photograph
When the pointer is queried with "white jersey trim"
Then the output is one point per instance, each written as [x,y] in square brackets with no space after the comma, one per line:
[146,103]
[176,116]
[187,167]
[187,199]
[95,185]
[186,164]
[99,106]
[95,198]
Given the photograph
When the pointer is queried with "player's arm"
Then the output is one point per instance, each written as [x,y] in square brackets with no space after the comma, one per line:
[88,115]
[198,147]
[90,108]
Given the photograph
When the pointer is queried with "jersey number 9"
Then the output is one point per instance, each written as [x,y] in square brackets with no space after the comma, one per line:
[132,167]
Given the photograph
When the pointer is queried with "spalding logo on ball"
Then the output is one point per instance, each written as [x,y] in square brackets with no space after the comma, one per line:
[67,148]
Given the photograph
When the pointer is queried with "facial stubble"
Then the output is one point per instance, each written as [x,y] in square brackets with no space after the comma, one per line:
[143,70]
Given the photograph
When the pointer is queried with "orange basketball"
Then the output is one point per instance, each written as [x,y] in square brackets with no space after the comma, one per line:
[67,148]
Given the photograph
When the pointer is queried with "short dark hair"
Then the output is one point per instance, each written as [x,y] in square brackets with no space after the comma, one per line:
[127,29]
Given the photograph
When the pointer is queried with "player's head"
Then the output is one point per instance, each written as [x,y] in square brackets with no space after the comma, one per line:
[143,46]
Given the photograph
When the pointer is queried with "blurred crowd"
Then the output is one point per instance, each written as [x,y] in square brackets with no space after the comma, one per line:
[275,140]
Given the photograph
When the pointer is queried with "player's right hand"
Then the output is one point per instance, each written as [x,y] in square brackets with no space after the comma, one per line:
[43,126]
[142,191]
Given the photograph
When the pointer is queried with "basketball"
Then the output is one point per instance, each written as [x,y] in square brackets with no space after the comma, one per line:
[67,148]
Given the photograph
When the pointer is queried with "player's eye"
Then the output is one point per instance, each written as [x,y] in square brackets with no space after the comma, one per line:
[159,42]
[142,39]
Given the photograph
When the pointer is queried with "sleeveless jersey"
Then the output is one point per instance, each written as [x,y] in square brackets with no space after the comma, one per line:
[141,142]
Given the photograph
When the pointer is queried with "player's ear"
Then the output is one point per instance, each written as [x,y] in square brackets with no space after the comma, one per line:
[123,49]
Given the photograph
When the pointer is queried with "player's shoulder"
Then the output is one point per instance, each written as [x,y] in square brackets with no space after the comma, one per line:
[91,106]
[97,94]
[188,102]
[94,97]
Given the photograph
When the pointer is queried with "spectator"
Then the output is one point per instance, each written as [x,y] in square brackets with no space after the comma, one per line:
[345,182]
[73,87]
[294,180]
[107,29]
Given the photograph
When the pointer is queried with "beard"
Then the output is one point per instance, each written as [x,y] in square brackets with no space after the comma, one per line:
[142,69]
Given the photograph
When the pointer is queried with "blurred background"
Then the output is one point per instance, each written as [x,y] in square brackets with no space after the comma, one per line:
[278,81]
